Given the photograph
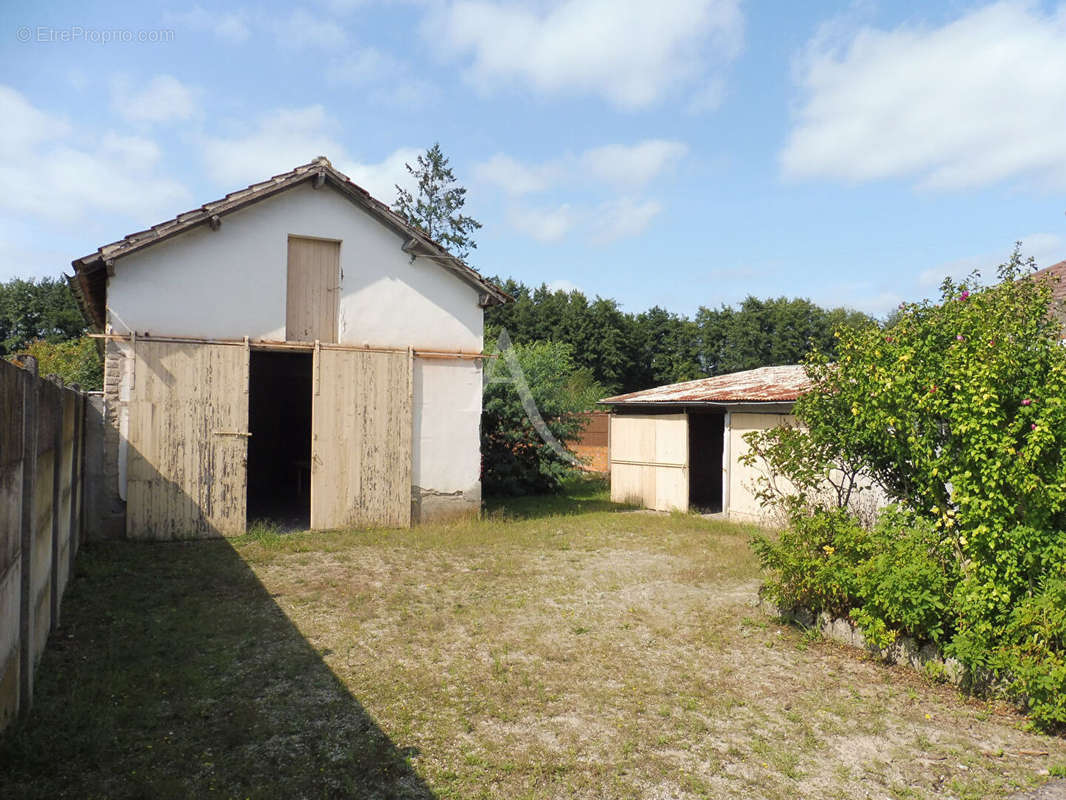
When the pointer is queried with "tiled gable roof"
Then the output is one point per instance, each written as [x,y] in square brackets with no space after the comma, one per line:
[89,281]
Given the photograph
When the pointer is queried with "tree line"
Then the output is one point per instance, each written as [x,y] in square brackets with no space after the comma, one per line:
[42,318]
[622,351]
[627,351]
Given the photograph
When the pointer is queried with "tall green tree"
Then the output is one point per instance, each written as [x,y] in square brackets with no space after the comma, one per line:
[628,352]
[37,309]
[436,205]
[769,332]
[522,446]
[668,348]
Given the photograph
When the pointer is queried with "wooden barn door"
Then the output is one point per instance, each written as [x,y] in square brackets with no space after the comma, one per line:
[360,439]
[311,290]
[188,441]
[649,460]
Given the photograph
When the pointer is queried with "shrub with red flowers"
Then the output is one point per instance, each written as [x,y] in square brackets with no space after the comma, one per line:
[957,410]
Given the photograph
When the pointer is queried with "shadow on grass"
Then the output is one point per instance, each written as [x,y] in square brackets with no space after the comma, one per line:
[578,495]
[176,674]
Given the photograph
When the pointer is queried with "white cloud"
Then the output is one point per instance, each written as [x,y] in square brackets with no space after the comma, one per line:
[632,165]
[282,140]
[301,30]
[288,137]
[164,98]
[544,225]
[618,165]
[344,6]
[630,52]
[136,152]
[66,177]
[390,81]
[876,303]
[614,167]
[363,67]
[622,218]
[708,97]
[230,26]
[515,177]
[24,125]
[1046,248]
[975,101]
[381,179]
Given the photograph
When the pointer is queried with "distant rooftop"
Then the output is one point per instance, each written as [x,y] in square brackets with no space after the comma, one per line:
[1058,287]
[763,385]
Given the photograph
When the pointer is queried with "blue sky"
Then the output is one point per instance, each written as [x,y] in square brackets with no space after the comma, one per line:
[680,153]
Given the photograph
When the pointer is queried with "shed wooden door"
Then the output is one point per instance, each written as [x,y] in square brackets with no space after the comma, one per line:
[311,290]
[360,439]
[188,413]
[649,460]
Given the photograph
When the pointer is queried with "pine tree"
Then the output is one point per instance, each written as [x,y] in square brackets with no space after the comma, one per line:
[437,205]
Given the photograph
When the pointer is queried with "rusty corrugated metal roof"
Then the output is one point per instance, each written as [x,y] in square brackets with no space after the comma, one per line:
[763,385]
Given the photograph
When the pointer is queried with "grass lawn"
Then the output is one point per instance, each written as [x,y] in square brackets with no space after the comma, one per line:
[558,648]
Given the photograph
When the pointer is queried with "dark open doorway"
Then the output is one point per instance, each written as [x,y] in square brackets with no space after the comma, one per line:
[279,451]
[706,435]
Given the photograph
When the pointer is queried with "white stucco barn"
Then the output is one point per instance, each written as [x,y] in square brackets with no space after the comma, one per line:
[677,447]
[293,349]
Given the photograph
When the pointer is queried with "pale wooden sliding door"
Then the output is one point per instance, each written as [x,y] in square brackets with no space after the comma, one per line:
[188,444]
[312,290]
[360,439]
[649,460]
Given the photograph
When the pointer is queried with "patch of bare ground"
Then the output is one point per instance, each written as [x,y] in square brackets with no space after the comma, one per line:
[585,655]
[624,656]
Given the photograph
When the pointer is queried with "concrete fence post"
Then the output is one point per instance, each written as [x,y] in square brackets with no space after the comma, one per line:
[57,485]
[29,473]
[74,530]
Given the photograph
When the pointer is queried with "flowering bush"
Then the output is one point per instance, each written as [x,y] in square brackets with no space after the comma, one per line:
[957,410]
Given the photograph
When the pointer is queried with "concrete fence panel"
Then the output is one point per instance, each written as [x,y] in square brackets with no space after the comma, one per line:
[42,431]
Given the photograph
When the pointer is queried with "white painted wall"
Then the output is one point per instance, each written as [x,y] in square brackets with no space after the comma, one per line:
[447,401]
[231,283]
[743,505]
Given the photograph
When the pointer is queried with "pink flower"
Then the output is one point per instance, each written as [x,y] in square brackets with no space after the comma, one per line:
[1033,426]
[888,338]
[991,342]
[959,337]
[932,389]
[964,296]
[1027,402]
